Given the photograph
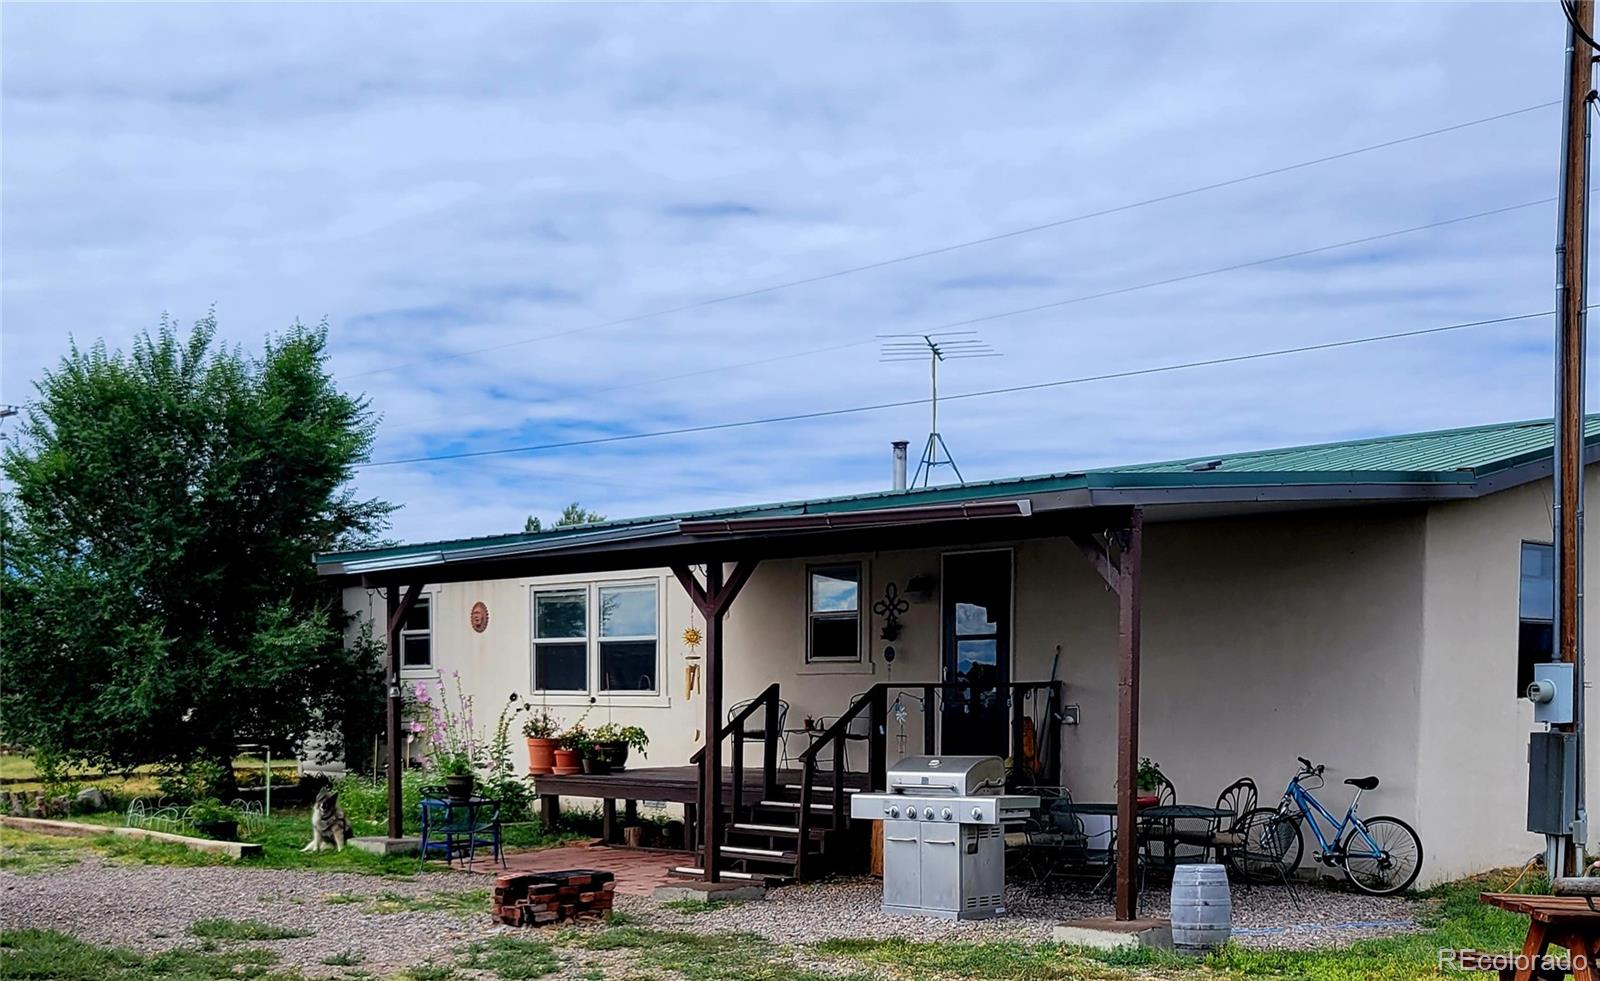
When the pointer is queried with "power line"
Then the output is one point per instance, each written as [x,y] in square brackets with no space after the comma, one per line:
[970,243]
[1010,390]
[1083,298]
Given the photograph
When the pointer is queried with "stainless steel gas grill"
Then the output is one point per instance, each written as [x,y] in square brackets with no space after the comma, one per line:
[944,851]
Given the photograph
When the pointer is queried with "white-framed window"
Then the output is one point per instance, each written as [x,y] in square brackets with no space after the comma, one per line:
[416,636]
[1536,604]
[597,638]
[833,613]
[561,640]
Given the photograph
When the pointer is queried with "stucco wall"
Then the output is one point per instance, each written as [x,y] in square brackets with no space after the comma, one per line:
[1474,746]
[1263,639]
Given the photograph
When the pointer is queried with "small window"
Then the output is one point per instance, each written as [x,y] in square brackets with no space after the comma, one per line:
[561,640]
[628,638]
[1535,611]
[834,613]
[416,635]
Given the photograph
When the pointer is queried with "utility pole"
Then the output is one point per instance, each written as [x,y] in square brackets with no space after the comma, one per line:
[1563,852]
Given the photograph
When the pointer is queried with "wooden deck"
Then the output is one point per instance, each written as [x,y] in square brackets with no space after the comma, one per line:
[675,784]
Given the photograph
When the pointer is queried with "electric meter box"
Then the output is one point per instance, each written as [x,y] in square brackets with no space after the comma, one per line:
[1552,782]
[1551,692]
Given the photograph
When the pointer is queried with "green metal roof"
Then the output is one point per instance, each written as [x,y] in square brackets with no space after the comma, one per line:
[1472,448]
[1450,456]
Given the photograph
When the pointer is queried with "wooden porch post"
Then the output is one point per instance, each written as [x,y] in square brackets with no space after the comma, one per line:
[1128,603]
[713,600]
[711,801]
[398,608]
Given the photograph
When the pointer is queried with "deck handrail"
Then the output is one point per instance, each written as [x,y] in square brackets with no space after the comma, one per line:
[735,726]
[875,701]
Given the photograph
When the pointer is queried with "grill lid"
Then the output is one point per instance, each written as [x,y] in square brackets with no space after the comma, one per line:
[956,776]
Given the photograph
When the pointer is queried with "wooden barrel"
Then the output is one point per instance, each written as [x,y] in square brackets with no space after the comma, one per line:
[1202,907]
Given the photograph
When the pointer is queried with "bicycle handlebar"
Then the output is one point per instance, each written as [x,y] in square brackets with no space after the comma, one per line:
[1306,767]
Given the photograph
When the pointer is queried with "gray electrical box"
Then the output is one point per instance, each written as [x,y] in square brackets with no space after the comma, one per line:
[1552,693]
[1552,782]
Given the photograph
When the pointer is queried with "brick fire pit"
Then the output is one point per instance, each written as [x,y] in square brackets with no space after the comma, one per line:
[538,898]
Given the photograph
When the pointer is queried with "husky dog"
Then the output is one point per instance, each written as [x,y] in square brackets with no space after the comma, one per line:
[328,822]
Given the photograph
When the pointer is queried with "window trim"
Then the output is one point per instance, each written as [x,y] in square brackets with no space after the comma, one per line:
[535,640]
[1522,545]
[813,615]
[592,693]
[431,668]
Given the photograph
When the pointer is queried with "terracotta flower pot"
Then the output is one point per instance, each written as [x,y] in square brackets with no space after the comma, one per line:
[541,755]
[568,761]
[1147,800]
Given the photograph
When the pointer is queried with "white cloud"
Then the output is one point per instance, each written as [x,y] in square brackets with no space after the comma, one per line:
[442,179]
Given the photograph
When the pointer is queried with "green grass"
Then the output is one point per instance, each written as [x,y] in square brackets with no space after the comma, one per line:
[693,906]
[222,928]
[429,972]
[1003,959]
[702,956]
[37,955]
[466,902]
[344,958]
[512,958]
[25,853]
[1453,920]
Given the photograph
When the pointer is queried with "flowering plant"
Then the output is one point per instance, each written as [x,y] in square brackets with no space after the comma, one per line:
[540,724]
[634,736]
[453,748]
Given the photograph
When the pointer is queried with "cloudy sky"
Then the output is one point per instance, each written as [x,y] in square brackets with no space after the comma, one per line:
[473,196]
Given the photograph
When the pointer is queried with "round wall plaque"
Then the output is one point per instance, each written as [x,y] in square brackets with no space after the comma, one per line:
[479,617]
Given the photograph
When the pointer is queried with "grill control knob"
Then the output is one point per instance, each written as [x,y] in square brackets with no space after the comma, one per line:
[911,812]
[977,814]
[894,812]
[948,814]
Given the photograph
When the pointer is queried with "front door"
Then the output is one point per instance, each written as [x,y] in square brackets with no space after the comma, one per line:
[977,653]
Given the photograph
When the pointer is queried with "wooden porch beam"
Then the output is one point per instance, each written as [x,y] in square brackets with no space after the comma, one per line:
[691,585]
[1096,549]
[1129,580]
[399,607]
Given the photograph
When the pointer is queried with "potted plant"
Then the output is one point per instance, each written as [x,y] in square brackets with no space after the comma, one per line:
[612,743]
[1148,783]
[214,820]
[540,729]
[454,752]
[570,747]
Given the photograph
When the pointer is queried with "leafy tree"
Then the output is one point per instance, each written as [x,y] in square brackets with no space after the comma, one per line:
[159,604]
[572,514]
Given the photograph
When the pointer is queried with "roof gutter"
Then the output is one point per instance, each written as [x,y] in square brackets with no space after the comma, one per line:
[559,543]
[861,519]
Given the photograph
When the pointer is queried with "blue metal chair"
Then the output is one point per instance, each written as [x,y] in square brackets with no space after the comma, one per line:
[455,829]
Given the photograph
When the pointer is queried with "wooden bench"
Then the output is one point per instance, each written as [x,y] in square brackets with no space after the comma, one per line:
[1566,920]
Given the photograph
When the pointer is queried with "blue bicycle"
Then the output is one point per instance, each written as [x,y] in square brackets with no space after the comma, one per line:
[1379,855]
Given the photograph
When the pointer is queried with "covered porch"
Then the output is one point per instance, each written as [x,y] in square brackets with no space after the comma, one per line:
[713,559]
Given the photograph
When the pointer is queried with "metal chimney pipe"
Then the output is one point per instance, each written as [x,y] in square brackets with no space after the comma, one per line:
[899,464]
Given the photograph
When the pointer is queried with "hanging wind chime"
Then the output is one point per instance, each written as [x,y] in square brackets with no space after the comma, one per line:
[692,638]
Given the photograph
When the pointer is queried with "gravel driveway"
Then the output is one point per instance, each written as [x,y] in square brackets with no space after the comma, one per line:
[1264,916]
[150,908]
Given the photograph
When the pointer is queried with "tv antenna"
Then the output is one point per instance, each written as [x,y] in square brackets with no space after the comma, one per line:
[935,346]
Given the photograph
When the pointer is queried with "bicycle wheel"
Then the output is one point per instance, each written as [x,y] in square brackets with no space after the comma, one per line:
[1271,846]
[1389,869]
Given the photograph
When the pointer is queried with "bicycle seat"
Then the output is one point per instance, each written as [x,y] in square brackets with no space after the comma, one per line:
[1363,783]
